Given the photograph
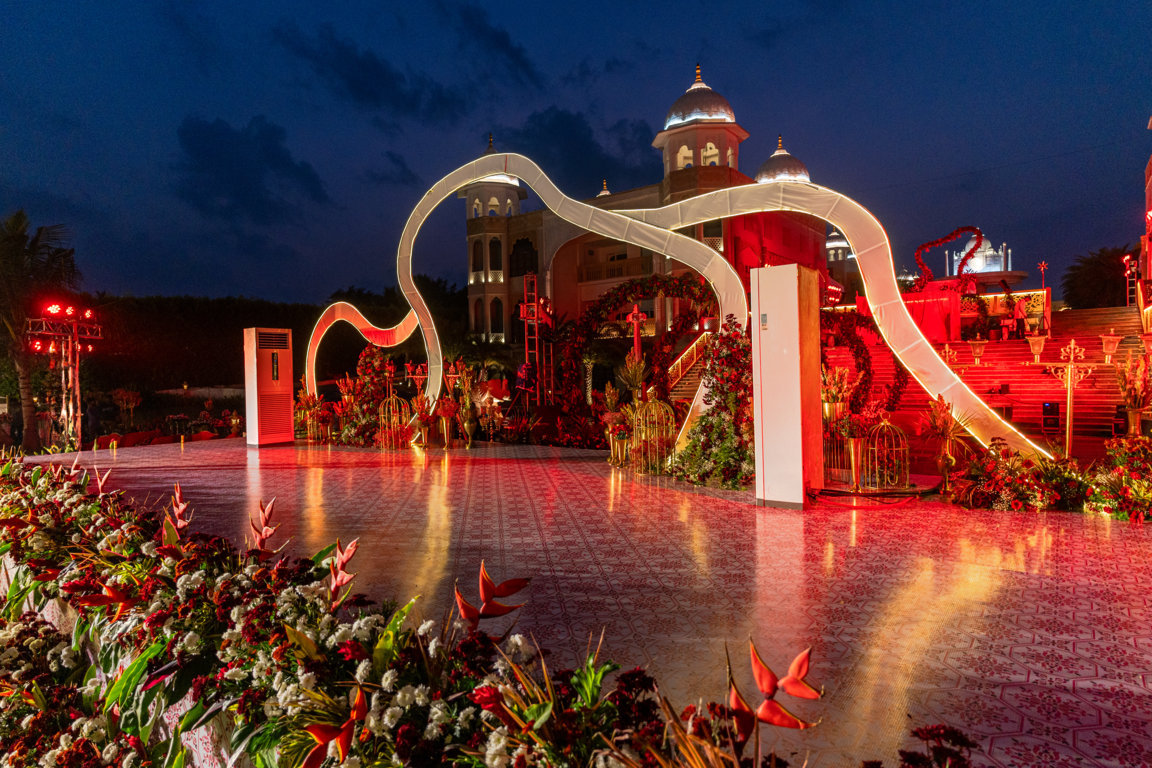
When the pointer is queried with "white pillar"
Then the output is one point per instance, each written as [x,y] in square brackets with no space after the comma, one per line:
[786,384]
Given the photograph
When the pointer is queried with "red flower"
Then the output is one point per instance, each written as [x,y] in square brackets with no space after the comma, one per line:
[352,651]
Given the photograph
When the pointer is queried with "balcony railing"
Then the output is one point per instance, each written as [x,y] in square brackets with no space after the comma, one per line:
[682,364]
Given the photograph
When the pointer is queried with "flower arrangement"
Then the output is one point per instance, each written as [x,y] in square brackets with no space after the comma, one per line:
[1135,382]
[1006,480]
[1124,486]
[853,425]
[719,447]
[447,408]
[177,631]
[632,373]
[836,384]
[620,431]
[422,410]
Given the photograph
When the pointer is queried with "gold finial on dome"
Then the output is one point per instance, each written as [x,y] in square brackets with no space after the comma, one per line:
[698,79]
[605,185]
[780,141]
[489,141]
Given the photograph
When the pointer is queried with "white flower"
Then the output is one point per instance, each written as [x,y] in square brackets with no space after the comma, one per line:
[188,583]
[148,549]
[388,681]
[351,762]
[496,751]
[190,643]
[392,716]
[405,696]
[433,646]
[420,695]
[236,673]
[129,760]
[109,753]
[426,627]
[363,670]
[432,731]
[308,681]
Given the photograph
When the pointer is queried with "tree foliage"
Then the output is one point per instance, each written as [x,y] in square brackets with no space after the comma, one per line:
[33,267]
[1096,280]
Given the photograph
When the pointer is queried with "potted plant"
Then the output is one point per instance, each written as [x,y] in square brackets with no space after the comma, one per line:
[1135,382]
[948,429]
[836,386]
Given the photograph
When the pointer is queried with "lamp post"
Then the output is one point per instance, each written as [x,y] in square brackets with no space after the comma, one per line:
[977,344]
[1036,345]
[1070,371]
[1043,267]
[1111,342]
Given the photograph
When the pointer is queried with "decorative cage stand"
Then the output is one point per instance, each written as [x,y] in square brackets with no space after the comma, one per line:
[394,417]
[885,458]
[653,430]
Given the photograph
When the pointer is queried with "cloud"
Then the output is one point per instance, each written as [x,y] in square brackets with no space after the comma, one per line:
[395,171]
[586,73]
[248,173]
[477,33]
[371,82]
[565,145]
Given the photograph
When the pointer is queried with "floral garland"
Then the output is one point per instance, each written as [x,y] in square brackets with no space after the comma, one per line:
[683,286]
[846,327]
[926,272]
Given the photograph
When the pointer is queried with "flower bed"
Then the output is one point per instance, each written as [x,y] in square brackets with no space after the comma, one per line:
[175,633]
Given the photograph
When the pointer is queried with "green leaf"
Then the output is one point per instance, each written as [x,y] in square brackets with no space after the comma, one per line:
[538,714]
[78,633]
[171,536]
[5,547]
[129,679]
[387,646]
[324,554]
[307,646]
[36,473]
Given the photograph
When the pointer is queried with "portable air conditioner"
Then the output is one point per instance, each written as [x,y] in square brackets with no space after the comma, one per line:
[268,385]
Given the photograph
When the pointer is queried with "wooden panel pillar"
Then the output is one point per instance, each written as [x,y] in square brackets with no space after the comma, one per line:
[786,384]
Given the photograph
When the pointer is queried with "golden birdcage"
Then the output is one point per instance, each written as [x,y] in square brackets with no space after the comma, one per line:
[885,458]
[394,417]
[653,432]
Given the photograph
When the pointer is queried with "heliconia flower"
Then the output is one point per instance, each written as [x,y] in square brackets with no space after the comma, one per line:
[324,734]
[794,684]
[112,596]
[100,480]
[489,698]
[340,577]
[352,650]
[771,711]
[263,531]
[468,612]
[490,590]
[179,507]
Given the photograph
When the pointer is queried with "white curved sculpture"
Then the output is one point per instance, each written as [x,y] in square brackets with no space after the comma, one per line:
[652,229]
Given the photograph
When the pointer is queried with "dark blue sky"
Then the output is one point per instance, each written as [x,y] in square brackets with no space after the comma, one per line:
[275,149]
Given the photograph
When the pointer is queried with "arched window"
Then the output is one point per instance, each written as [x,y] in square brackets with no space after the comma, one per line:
[476,208]
[495,255]
[497,316]
[478,316]
[684,158]
[508,210]
[710,155]
[477,256]
[522,260]
[493,207]
[731,158]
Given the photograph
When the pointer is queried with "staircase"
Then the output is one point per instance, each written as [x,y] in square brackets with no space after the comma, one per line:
[1019,391]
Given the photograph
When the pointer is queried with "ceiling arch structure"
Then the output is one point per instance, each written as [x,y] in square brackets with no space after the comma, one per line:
[652,229]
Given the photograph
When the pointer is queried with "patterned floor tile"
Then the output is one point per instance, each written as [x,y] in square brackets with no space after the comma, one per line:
[1029,631]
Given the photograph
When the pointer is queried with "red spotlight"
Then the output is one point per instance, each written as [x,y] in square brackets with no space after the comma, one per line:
[87,314]
[70,311]
[37,345]
[53,309]
[89,347]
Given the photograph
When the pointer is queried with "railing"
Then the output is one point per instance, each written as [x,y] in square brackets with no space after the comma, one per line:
[1142,306]
[682,364]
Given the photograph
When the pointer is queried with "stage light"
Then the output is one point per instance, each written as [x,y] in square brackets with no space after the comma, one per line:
[70,311]
[87,314]
[37,345]
[53,309]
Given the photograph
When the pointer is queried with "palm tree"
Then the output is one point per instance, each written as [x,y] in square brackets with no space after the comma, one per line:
[1096,280]
[30,268]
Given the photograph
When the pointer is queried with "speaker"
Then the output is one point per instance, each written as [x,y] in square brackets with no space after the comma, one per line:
[1051,416]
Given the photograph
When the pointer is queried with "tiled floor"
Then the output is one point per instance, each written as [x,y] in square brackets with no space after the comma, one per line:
[1031,632]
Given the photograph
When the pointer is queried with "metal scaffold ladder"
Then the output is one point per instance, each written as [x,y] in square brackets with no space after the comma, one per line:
[537,351]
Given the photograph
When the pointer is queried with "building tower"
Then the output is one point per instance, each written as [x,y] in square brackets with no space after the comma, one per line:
[700,143]
[489,205]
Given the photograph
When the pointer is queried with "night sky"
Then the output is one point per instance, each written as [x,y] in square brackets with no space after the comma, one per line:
[274,150]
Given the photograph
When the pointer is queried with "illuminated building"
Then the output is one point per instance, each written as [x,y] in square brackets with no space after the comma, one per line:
[700,146]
